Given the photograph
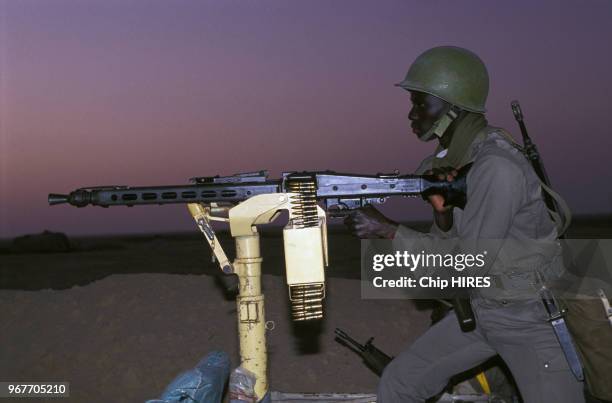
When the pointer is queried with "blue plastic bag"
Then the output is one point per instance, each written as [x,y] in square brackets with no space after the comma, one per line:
[202,384]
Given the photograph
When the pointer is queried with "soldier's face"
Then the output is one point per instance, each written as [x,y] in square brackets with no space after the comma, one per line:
[426,109]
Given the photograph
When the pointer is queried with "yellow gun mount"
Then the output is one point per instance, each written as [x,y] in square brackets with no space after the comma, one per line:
[305,241]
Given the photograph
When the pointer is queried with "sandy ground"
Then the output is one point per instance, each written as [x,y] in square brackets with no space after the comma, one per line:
[94,258]
[124,337]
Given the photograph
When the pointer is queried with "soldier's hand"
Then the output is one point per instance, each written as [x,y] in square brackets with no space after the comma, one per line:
[436,200]
[443,215]
[369,223]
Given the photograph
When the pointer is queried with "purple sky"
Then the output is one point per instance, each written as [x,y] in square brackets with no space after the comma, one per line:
[155,92]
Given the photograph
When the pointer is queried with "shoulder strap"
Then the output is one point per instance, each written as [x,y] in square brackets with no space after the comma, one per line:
[561,218]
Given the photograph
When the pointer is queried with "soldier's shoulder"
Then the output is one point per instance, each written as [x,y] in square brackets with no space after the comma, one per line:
[498,153]
[498,142]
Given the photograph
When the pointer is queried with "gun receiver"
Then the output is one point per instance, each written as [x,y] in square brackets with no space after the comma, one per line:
[339,192]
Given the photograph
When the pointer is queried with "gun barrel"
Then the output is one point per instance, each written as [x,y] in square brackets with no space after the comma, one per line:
[374,358]
[106,196]
[348,340]
[55,198]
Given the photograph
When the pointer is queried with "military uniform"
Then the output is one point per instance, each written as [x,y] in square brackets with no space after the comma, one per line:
[504,202]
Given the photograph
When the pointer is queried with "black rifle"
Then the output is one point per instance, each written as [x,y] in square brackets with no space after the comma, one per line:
[533,155]
[339,192]
[375,359]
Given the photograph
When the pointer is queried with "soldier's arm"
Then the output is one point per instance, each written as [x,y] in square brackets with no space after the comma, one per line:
[496,190]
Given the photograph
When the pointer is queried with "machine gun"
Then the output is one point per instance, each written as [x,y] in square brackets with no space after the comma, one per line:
[247,200]
[340,192]
[209,198]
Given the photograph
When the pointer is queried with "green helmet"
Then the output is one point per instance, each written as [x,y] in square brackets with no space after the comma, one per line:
[453,74]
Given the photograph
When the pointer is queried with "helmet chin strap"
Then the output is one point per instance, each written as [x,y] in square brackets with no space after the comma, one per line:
[441,125]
